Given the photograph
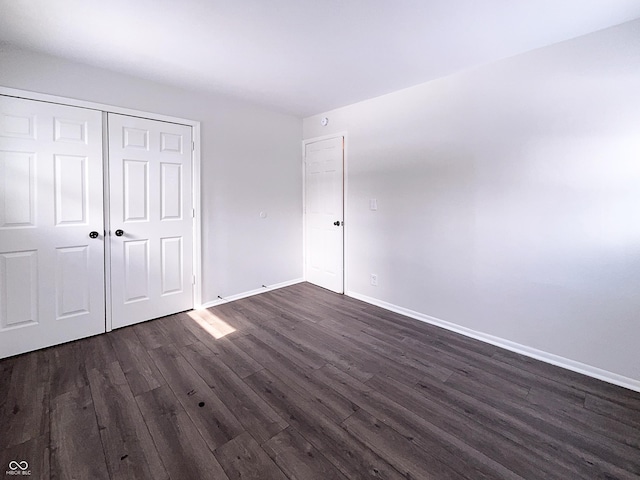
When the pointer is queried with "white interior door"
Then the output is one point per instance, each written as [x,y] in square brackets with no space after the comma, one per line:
[151,219]
[51,198]
[324,208]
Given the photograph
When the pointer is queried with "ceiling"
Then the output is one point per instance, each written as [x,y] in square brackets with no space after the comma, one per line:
[299,56]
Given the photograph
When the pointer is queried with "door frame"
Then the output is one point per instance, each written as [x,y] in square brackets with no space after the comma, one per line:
[345,189]
[195,177]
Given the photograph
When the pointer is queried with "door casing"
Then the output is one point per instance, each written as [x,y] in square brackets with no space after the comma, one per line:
[195,177]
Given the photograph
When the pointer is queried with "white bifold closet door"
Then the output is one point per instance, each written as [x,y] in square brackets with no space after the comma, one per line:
[151,219]
[52,228]
[51,199]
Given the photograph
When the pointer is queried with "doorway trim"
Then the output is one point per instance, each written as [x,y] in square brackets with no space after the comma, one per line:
[345,210]
[195,177]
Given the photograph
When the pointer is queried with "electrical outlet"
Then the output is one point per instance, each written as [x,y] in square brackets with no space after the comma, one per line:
[374,279]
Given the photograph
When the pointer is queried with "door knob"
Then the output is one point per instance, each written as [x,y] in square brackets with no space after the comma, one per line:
[93,235]
[119,233]
[337,223]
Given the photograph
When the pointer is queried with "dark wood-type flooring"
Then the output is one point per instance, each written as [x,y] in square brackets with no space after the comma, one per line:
[305,384]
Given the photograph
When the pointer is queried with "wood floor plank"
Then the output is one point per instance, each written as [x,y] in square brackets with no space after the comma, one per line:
[256,313]
[428,332]
[316,394]
[488,370]
[332,349]
[434,438]
[498,373]
[175,330]
[625,436]
[438,353]
[129,449]
[76,447]
[255,415]
[623,396]
[140,371]
[365,359]
[302,383]
[347,453]
[443,364]
[415,352]
[293,310]
[300,460]
[152,335]
[235,357]
[198,324]
[230,314]
[399,451]
[385,320]
[531,426]
[184,452]
[97,352]
[67,366]
[35,452]
[215,422]
[612,410]
[498,450]
[386,363]
[6,369]
[24,414]
[425,364]
[243,458]
[286,319]
[304,358]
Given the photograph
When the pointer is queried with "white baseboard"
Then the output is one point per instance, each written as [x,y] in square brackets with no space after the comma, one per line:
[551,358]
[250,293]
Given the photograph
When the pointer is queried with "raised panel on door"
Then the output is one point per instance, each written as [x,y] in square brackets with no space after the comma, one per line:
[19,288]
[150,203]
[323,208]
[70,196]
[136,270]
[170,191]
[17,189]
[135,184]
[51,197]
[17,124]
[73,296]
[171,265]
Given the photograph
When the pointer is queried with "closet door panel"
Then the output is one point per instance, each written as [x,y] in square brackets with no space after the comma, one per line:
[151,226]
[51,198]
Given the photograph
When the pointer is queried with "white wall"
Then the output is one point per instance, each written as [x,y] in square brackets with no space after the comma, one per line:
[250,163]
[508,198]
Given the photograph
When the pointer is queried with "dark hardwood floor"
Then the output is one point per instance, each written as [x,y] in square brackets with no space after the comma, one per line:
[300,383]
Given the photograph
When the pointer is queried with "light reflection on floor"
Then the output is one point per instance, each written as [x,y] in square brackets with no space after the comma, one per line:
[212,324]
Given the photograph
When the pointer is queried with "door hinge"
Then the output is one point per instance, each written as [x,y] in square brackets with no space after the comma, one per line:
[193,146]
[193,280]
[193,213]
